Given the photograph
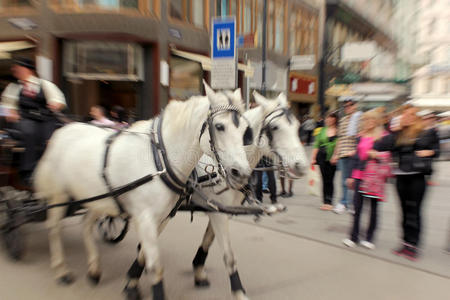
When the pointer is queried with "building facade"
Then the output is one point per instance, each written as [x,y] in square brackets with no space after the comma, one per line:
[141,53]
[431,82]
[359,47]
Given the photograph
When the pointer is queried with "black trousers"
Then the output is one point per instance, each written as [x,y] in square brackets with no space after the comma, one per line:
[34,135]
[411,190]
[327,170]
[308,136]
[358,201]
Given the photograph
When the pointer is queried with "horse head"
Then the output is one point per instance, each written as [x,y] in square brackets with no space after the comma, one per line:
[225,135]
[280,136]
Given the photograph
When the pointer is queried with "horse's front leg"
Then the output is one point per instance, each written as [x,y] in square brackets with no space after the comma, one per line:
[148,255]
[220,226]
[200,277]
[57,260]
[135,271]
[93,257]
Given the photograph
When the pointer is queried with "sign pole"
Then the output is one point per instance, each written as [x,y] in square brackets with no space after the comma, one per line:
[264,42]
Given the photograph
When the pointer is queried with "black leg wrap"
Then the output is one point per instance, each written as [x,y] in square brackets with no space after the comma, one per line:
[158,291]
[200,257]
[235,281]
[136,270]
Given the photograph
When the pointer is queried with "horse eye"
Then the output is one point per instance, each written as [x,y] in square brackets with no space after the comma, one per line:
[274,127]
[220,127]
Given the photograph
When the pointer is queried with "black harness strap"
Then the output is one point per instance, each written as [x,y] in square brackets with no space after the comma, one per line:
[109,141]
[158,149]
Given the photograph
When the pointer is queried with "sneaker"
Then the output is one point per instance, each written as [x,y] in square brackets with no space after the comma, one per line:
[326,207]
[351,211]
[368,245]
[266,191]
[411,253]
[349,243]
[290,194]
[339,209]
[283,194]
[399,251]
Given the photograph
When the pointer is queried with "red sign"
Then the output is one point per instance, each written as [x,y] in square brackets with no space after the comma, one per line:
[303,85]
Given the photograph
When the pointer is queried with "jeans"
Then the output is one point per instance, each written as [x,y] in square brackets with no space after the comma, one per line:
[358,202]
[327,170]
[265,181]
[411,190]
[344,166]
[272,186]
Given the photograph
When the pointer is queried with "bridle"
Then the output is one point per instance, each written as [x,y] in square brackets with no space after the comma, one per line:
[268,131]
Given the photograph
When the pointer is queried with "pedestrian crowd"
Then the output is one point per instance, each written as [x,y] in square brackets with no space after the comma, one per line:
[369,148]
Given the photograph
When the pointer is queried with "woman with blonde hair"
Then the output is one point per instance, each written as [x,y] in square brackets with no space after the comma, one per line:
[415,149]
[368,176]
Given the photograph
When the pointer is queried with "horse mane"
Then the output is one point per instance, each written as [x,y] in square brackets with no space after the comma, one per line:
[181,114]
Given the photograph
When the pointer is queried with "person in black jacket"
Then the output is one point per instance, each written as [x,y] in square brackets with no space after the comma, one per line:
[414,147]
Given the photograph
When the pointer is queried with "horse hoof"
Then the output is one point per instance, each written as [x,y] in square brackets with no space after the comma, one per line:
[132,293]
[94,279]
[66,279]
[202,283]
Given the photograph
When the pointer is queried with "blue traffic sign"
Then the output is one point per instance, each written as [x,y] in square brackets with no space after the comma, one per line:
[223,38]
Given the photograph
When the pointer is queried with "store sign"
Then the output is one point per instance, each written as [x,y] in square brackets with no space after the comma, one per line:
[302,62]
[358,51]
[223,48]
[246,41]
[303,85]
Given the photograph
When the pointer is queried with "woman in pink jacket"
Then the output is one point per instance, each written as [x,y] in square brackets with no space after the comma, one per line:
[368,177]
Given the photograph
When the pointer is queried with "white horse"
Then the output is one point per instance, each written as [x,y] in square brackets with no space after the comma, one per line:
[72,168]
[275,133]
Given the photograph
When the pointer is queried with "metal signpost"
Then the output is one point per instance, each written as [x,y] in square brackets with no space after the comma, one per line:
[223,53]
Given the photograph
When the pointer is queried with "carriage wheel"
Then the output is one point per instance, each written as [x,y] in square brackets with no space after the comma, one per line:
[113,229]
[12,236]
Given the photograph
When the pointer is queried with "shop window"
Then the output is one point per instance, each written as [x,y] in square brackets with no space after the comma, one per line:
[185,78]
[103,61]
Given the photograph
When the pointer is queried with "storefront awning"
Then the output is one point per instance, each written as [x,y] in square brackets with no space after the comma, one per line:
[205,61]
[7,47]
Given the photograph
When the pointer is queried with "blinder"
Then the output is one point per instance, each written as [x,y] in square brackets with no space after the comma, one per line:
[248,136]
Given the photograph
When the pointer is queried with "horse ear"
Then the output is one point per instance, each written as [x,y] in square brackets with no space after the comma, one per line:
[282,100]
[260,99]
[237,99]
[209,91]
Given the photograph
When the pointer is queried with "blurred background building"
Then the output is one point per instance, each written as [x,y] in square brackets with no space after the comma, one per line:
[141,53]
[431,82]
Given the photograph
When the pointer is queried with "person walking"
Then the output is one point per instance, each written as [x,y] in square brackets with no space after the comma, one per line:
[308,126]
[266,162]
[324,148]
[345,149]
[368,177]
[415,148]
[31,104]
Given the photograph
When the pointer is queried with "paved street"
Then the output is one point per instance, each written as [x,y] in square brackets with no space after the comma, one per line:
[296,255]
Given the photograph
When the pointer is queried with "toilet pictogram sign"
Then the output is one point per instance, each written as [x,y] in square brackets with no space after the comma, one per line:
[223,53]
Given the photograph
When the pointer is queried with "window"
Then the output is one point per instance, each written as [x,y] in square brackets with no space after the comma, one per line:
[304,38]
[103,60]
[14,3]
[185,78]
[279,27]
[190,11]
[143,6]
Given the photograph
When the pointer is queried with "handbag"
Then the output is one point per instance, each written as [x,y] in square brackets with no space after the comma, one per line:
[422,164]
[314,181]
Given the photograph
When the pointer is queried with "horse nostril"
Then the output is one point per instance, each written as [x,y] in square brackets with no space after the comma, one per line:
[298,166]
[235,172]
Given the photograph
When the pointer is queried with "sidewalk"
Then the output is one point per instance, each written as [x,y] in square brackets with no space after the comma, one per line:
[304,219]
